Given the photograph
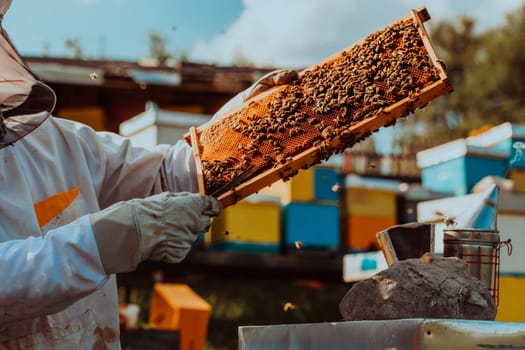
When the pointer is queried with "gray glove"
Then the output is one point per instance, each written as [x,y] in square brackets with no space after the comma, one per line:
[267,81]
[161,227]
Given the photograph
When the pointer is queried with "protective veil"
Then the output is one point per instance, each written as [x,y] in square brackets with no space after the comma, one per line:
[54,291]
[25,102]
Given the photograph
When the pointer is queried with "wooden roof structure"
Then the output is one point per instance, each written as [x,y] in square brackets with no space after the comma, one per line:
[104,93]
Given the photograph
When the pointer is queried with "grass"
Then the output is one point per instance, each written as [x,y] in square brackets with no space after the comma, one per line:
[237,301]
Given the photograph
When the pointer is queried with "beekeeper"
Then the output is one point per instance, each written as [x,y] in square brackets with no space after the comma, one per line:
[79,206]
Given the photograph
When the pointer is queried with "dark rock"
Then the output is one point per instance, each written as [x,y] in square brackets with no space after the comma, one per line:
[428,287]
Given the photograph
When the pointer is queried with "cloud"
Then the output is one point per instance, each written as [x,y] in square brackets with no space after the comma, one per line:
[299,33]
[289,33]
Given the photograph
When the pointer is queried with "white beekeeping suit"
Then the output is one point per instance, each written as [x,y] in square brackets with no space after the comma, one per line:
[78,206]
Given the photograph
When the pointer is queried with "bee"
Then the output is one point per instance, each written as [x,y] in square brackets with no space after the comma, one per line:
[327,132]
[314,121]
[288,306]
[295,131]
[267,158]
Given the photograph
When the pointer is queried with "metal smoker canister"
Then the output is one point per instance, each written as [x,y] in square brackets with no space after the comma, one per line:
[480,250]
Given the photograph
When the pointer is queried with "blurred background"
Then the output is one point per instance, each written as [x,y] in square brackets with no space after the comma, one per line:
[150,70]
[480,42]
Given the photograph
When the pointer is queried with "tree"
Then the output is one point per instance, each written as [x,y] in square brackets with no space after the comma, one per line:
[46,48]
[486,71]
[157,47]
[442,119]
[495,79]
[457,45]
[73,44]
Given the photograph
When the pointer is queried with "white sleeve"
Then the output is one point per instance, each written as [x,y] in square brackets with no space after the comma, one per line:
[43,275]
[121,170]
[180,174]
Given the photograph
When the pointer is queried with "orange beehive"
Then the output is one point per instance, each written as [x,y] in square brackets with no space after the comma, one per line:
[360,231]
[331,106]
[178,307]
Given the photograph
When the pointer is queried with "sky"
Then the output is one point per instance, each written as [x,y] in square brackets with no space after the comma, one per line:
[280,33]
[266,33]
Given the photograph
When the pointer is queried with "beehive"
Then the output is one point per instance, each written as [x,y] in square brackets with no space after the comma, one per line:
[456,166]
[330,107]
[176,306]
[314,184]
[506,137]
[511,307]
[252,225]
[313,225]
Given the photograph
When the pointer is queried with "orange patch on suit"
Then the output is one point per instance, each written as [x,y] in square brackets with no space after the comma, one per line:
[50,207]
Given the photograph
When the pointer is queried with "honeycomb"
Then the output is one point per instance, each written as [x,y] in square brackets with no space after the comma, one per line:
[321,112]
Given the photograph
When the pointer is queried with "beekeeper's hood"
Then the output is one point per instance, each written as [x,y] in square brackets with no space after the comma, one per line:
[25,102]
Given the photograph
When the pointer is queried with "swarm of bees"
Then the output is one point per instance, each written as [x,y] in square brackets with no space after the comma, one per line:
[386,67]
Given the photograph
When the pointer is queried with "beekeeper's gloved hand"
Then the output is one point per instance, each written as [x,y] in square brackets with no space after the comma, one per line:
[161,227]
[267,81]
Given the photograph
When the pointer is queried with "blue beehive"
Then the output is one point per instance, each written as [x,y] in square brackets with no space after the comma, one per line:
[455,167]
[507,138]
[314,225]
[324,181]
[317,183]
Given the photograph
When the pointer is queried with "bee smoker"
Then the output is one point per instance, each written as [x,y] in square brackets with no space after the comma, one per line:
[480,249]
[475,239]
[406,241]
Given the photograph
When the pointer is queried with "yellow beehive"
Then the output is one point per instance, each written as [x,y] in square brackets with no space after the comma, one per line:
[316,183]
[297,188]
[371,202]
[511,307]
[249,221]
[371,197]
[518,178]
[301,187]
[178,307]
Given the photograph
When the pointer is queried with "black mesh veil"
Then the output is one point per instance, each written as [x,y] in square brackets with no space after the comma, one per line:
[25,101]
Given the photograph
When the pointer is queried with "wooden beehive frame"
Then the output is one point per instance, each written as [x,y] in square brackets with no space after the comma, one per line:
[362,129]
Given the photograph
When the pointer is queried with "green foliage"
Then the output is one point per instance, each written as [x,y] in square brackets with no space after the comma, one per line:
[251,301]
[254,301]
[486,70]
[496,76]
[158,47]
[73,45]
